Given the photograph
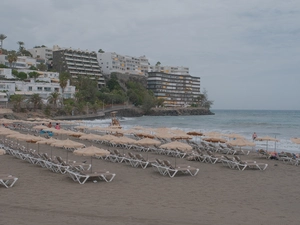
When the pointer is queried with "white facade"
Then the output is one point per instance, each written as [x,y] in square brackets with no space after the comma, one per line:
[112,62]
[6,73]
[178,70]
[23,62]
[43,74]
[44,89]
[42,53]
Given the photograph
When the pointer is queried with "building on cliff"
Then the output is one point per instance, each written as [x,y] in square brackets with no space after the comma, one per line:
[177,90]
[77,63]
[111,62]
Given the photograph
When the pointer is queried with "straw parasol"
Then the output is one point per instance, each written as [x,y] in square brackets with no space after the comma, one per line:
[67,144]
[48,142]
[295,140]
[91,151]
[148,142]
[240,143]
[177,145]
[215,139]
[267,139]
[2,152]
[233,135]
[195,133]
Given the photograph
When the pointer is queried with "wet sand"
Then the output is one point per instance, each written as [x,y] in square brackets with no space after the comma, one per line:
[217,195]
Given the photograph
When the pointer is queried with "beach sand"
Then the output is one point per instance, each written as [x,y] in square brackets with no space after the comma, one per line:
[217,195]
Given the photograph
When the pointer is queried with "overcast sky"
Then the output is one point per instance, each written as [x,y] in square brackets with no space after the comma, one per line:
[247,52]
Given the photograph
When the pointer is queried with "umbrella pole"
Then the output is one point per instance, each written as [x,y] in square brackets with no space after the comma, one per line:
[38,148]
[91,163]
[51,151]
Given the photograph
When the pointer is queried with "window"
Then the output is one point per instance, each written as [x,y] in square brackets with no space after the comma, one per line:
[47,89]
[39,88]
[29,88]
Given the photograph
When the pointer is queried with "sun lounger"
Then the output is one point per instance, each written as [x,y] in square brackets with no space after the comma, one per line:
[74,165]
[82,176]
[242,165]
[288,158]
[7,180]
[230,162]
[143,162]
[172,170]
[160,167]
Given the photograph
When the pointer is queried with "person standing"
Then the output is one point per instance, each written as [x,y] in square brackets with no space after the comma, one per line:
[254,136]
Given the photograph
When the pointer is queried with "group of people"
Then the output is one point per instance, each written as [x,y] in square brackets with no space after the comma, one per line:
[57,126]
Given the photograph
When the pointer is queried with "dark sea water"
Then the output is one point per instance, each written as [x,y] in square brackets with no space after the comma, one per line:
[282,124]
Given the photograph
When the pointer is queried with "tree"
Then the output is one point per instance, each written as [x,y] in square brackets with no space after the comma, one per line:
[203,100]
[22,75]
[34,75]
[21,46]
[36,100]
[2,37]
[11,58]
[53,98]
[149,101]
[17,100]
[63,81]
[158,63]
[32,68]
[41,67]
[101,51]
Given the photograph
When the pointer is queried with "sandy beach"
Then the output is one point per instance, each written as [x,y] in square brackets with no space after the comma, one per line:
[217,195]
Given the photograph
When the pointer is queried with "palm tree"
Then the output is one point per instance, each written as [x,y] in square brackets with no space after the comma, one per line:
[17,100]
[21,46]
[2,37]
[63,81]
[53,98]
[12,58]
[36,100]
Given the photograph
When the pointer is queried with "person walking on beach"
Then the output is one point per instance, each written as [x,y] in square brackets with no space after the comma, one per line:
[254,136]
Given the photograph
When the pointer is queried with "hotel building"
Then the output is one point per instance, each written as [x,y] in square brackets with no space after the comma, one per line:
[77,63]
[111,62]
[177,90]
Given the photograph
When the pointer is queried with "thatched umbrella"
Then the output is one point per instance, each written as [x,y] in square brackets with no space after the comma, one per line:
[176,145]
[48,142]
[2,152]
[240,143]
[267,139]
[148,142]
[91,151]
[68,144]
[295,140]
[215,139]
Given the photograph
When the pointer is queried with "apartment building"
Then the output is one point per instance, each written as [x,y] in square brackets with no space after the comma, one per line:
[177,90]
[23,62]
[44,85]
[111,62]
[77,63]
[41,53]
[179,70]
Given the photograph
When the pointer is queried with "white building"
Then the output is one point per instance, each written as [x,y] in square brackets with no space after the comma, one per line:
[44,85]
[23,62]
[178,70]
[42,53]
[6,73]
[44,89]
[112,62]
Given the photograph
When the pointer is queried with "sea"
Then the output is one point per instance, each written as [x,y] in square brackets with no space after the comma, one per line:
[280,124]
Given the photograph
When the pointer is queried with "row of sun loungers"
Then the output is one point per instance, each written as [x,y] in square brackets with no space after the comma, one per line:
[286,157]
[79,172]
